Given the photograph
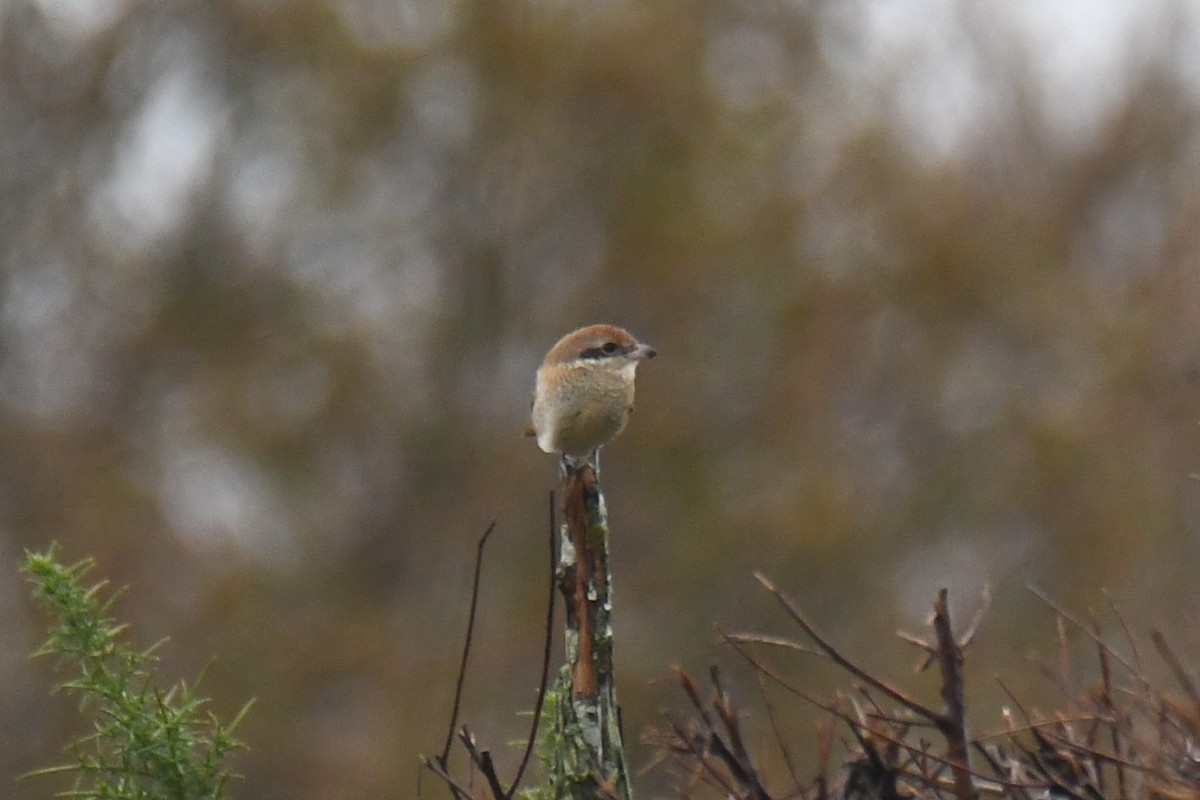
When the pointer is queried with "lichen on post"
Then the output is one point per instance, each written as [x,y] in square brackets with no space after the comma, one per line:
[584,752]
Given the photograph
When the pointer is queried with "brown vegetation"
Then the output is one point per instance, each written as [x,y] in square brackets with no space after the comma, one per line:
[1120,738]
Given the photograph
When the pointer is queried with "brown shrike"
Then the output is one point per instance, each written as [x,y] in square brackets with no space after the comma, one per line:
[584,392]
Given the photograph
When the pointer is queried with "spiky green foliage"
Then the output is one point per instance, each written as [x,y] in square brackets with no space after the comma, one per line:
[147,743]
[560,750]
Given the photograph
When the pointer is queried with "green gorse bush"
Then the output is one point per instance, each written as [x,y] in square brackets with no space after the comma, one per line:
[147,743]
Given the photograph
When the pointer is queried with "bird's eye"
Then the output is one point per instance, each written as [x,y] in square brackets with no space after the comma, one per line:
[606,349]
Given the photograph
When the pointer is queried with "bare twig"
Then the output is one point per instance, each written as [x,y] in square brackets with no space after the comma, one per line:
[918,642]
[954,722]
[774,675]
[746,771]
[1171,660]
[700,747]
[1065,672]
[1106,701]
[774,641]
[1129,640]
[1012,728]
[709,743]
[547,647]
[459,792]
[688,683]
[779,742]
[910,747]
[931,650]
[483,760]
[981,609]
[466,652]
[845,663]
[1134,671]
[824,748]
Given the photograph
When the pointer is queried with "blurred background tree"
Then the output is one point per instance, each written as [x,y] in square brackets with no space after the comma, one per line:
[275,276]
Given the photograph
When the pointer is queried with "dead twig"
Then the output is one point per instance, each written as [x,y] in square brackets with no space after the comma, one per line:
[953,723]
[457,790]
[547,647]
[1134,671]
[794,612]
[483,760]
[723,705]
[1177,669]
[1105,699]
[466,651]
[779,742]
[740,777]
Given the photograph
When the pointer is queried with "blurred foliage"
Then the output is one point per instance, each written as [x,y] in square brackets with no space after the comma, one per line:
[275,276]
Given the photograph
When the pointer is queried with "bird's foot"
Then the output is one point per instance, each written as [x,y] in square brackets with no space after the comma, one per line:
[569,465]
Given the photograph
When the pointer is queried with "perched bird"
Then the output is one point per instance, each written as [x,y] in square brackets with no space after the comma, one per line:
[584,392]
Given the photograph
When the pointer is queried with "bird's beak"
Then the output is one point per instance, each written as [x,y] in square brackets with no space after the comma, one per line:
[643,351]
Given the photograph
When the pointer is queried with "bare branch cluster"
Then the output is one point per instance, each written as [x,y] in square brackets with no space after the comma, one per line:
[1120,739]
[481,759]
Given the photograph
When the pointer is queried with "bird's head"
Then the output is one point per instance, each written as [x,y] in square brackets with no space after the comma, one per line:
[602,345]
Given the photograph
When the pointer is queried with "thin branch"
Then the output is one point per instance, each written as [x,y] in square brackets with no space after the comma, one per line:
[1100,755]
[931,652]
[1031,726]
[1013,699]
[437,769]
[824,750]
[703,749]
[985,603]
[1065,670]
[688,684]
[734,755]
[1133,648]
[998,769]
[774,641]
[893,719]
[483,760]
[724,706]
[1181,675]
[700,754]
[783,748]
[950,659]
[908,747]
[1134,671]
[546,650]
[763,668]
[1106,701]
[845,663]
[466,653]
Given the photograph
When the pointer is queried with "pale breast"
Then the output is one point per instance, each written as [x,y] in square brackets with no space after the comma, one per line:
[585,407]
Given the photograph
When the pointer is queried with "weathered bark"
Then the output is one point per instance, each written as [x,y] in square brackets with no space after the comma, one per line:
[590,762]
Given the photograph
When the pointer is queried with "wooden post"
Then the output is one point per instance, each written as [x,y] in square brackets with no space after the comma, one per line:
[588,761]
